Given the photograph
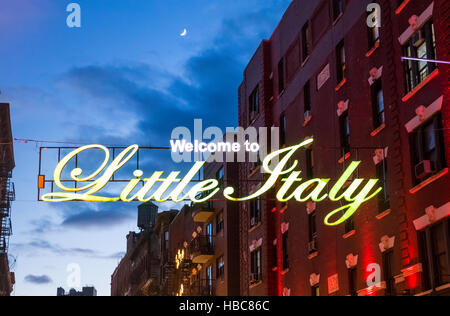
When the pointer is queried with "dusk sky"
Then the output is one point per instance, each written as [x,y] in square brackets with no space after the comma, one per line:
[125,77]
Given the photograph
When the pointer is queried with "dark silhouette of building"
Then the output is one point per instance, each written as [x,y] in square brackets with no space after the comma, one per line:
[7,195]
[138,273]
[325,73]
[86,291]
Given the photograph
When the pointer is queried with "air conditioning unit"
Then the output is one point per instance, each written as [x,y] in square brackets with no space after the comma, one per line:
[425,168]
[312,246]
[418,39]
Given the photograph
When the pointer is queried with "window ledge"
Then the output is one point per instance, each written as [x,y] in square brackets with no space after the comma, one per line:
[283,209]
[373,49]
[378,130]
[428,181]
[443,287]
[306,60]
[313,255]
[255,284]
[341,84]
[383,214]
[338,18]
[254,227]
[254,171]
[349,234]
[421,85]
[402,6]
[306,122]
[344,158]
[284,272]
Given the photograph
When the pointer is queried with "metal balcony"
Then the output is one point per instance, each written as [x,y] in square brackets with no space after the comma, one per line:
[201,249]
[202,212]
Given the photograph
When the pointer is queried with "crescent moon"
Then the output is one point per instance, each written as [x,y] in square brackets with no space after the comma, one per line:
[184,33]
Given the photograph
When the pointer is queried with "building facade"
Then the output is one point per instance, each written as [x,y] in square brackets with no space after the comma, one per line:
[138,272]
[330,72]
[204,243]
[7,195]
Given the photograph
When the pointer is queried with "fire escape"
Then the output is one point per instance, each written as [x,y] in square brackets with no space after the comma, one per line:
[7,195]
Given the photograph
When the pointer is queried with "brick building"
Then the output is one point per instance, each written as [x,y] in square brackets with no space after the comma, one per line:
[204,243]
[6,197]
[138,273]
[328,74]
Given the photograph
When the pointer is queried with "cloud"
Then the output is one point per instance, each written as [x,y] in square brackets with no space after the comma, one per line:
[107,216]
[38,279]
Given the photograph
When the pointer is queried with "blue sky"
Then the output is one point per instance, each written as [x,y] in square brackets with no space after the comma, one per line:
[124,77]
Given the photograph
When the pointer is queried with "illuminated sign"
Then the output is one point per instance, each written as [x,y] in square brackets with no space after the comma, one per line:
[313,189]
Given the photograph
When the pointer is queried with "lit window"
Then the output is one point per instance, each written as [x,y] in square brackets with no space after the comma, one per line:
[255,266]
[422,45]
[345,132]
[220,268]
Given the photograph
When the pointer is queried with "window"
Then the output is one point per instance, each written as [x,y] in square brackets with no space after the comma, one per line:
[309,163]
[440,254]
[254,103]
[209,280]
[338,8]
[315,291]
[352,279]
[341,65]
[281,76]
[312,228]
[434,244]
[422,45]
[284,238]
[378,104]
[219,176]
[350,225]
[255,212]
[283,124]
[427,149]
[345,132]
[209,233]
[220,268]
[383,197]
[255,266]
[305,41]
[220,223]
[275,255]
[307,97]
[166,240]
[388,268]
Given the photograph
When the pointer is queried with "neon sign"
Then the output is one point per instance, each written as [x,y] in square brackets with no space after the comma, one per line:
[313,189]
